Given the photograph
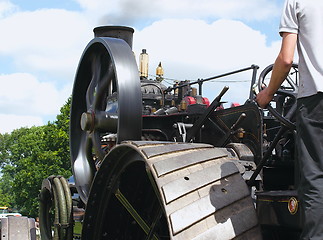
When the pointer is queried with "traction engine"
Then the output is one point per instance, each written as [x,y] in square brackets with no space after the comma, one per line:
[152,161]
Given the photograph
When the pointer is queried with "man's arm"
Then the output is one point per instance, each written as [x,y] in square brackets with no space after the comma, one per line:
[281,69]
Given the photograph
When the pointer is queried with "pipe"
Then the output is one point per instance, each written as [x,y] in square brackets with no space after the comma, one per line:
[55,189]
[122,32]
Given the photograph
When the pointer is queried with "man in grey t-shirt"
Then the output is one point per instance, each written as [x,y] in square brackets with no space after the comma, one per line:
[301,25]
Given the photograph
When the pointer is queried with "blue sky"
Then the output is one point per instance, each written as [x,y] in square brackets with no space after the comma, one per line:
[42,40]
[39,4]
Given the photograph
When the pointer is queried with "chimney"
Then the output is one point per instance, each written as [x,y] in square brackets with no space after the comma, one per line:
[122,32]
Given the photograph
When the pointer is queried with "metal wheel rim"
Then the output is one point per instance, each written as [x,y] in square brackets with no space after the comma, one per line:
[120,204]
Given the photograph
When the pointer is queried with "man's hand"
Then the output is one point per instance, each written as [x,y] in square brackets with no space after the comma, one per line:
[281,69]
[263,98]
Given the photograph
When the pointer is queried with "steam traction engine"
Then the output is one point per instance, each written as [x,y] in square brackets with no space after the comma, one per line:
[157,162]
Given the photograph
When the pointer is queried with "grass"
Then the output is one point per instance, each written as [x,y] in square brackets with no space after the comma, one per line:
[77,229]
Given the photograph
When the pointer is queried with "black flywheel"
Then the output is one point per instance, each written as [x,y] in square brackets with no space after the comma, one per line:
[106,105]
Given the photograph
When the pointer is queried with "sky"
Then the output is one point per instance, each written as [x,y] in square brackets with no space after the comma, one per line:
[41,42]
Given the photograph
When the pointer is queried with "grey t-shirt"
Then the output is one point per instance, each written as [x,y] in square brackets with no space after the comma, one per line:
[305,18]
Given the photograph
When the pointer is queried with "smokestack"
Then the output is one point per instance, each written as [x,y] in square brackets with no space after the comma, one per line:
[125,33]
[143,64]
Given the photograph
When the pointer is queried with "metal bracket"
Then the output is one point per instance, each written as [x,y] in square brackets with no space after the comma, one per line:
[182,131]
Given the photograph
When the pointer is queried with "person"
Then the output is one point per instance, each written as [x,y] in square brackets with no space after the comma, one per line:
[301,26]
[37,228]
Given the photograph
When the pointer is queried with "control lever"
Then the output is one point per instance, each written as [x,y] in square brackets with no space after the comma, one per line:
[240,119]
[200,121]
[233,129]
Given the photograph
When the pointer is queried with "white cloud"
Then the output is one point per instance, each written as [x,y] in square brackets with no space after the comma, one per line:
[192,49]
[6,7]
[23,94]
[204,48]
[45,40]
[46,46]
[9,122]
[130,12]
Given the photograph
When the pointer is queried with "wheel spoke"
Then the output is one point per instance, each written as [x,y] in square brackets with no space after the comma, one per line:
[292,83]
[91,90]
[96,141]
[286,93]
[89,152]
[101,94]
[141,222]
[156,219]
[96,98]
[286,96]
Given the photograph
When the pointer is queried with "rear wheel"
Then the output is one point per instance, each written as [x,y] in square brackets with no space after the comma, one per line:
[158,190]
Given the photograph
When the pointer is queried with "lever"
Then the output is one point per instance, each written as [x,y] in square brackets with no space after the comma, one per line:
[200,121]
[240,119]
[232,129]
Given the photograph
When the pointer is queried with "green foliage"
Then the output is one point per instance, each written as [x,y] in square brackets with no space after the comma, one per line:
[29,155]
[4,153]
[6,198]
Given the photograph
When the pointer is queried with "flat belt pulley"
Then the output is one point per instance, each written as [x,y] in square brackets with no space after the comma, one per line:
[106,100]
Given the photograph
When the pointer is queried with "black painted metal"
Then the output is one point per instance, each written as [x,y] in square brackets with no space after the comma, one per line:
[121,32]
[128,200]
[283,117]
[201,81]
[106,100]
[268,153]
[125,200]
[198,124]
[124,171]
[253,80]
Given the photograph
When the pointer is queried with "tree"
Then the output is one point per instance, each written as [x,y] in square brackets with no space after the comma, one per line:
[6,196]
[4,154]
[29,155]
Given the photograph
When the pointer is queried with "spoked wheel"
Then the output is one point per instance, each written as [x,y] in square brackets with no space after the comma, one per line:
[106,106]
[158,190]
[283,106]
